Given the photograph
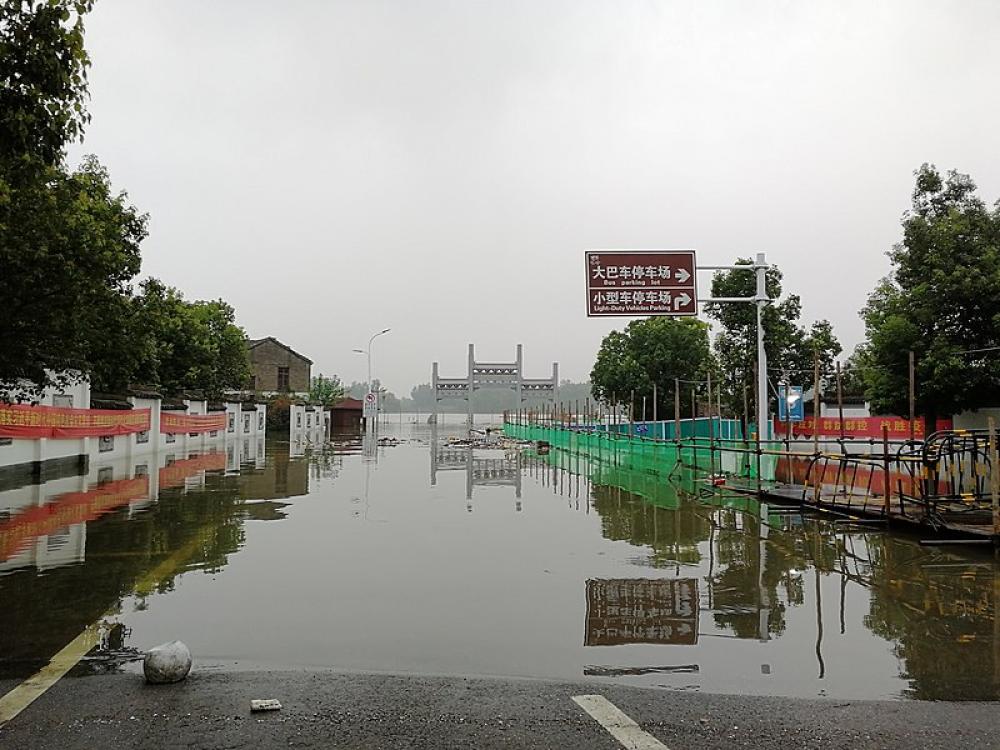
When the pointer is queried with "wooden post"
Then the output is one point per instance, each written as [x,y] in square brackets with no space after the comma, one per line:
[913,398]
[746,413]
[817,408]
[840,401]
[817,402]
[745,463]
[677,410]
[718,411]
[994,478]
[631,413]
[711,428]
[885,460]
[654,404]
[677,414]
[694,426]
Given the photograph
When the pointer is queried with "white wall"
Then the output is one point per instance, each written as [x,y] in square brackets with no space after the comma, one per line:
[976,420]
[67,545]
[125,447]
[852,411]
[14,452]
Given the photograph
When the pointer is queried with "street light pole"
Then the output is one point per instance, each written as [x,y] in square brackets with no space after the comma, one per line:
[368,353]
[370,341]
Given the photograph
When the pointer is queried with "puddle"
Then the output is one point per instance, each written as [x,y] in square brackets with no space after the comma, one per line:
[485,561]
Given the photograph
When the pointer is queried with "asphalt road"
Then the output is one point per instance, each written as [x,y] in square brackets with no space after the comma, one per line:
[329,709]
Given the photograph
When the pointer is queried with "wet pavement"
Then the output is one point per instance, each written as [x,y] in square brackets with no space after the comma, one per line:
[322,710]
[481,562]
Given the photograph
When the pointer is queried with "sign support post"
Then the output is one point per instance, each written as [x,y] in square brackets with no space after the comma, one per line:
[664,282]
[759,300]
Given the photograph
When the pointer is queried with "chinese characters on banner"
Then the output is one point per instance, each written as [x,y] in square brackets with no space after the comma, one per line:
[32,422]
[171,423]
[860,427]
[641,282]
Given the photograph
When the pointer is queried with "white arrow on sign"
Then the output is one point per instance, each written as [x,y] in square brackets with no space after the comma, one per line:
[682,275]
[681,300]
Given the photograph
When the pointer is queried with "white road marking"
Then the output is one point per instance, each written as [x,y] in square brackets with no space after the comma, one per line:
[618,723]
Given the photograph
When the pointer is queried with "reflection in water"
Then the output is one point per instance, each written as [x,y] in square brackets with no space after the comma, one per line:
[642,610]
[483,467]
[69,558]
[935,606]
[607,572]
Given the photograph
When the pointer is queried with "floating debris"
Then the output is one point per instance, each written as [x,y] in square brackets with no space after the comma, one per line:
[267,704]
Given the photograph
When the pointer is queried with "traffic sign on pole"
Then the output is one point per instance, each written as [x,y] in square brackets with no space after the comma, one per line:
[641,282]
[371,405]
[791,407]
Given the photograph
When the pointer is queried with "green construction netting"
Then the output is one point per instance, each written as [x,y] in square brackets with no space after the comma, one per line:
[653,457]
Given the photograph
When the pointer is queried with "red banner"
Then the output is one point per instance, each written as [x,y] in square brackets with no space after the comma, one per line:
[33,422]
[859,427]
[66,510]
[175,474]
[173,423]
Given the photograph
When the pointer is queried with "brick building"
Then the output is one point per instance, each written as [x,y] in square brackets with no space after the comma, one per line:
[278,368]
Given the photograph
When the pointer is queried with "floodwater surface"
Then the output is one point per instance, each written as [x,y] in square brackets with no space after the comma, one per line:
[423,558]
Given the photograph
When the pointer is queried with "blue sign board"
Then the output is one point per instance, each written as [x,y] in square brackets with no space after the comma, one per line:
[791,408]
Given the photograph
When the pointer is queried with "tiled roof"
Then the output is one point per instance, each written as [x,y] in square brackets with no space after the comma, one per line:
[253,343]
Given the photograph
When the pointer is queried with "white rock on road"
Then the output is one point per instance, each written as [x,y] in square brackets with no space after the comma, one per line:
[166,663]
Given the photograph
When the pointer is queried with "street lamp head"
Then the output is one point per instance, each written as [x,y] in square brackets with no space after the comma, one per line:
[385,331]
[358,351]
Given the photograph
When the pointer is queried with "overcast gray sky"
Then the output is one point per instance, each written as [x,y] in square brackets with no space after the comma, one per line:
[334,168]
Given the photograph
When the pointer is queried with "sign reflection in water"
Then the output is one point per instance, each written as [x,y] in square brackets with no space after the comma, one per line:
[642,610]
[934,607]
[778,603]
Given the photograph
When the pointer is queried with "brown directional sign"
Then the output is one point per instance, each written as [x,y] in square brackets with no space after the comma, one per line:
[641,610]
[641,282]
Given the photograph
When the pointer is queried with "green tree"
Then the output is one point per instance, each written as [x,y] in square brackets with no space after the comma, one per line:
[188,345]
[69,245]
[43,83]
[328,391]
[655,350]
[68,249]
[789,346]
[941,300]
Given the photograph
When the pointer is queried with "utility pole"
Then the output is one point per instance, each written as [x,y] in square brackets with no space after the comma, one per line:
[371,389]
[758,300]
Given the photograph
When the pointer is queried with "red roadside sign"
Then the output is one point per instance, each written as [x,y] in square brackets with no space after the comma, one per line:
[641,282]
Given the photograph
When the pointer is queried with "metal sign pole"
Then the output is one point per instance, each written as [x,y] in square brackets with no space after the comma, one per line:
[759,300]
[761,271]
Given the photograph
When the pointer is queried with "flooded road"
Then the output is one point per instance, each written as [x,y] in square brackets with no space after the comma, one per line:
[452,562]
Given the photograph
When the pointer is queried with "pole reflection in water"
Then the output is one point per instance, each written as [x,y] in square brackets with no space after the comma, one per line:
[636,577]
[932,608]
[484,465]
